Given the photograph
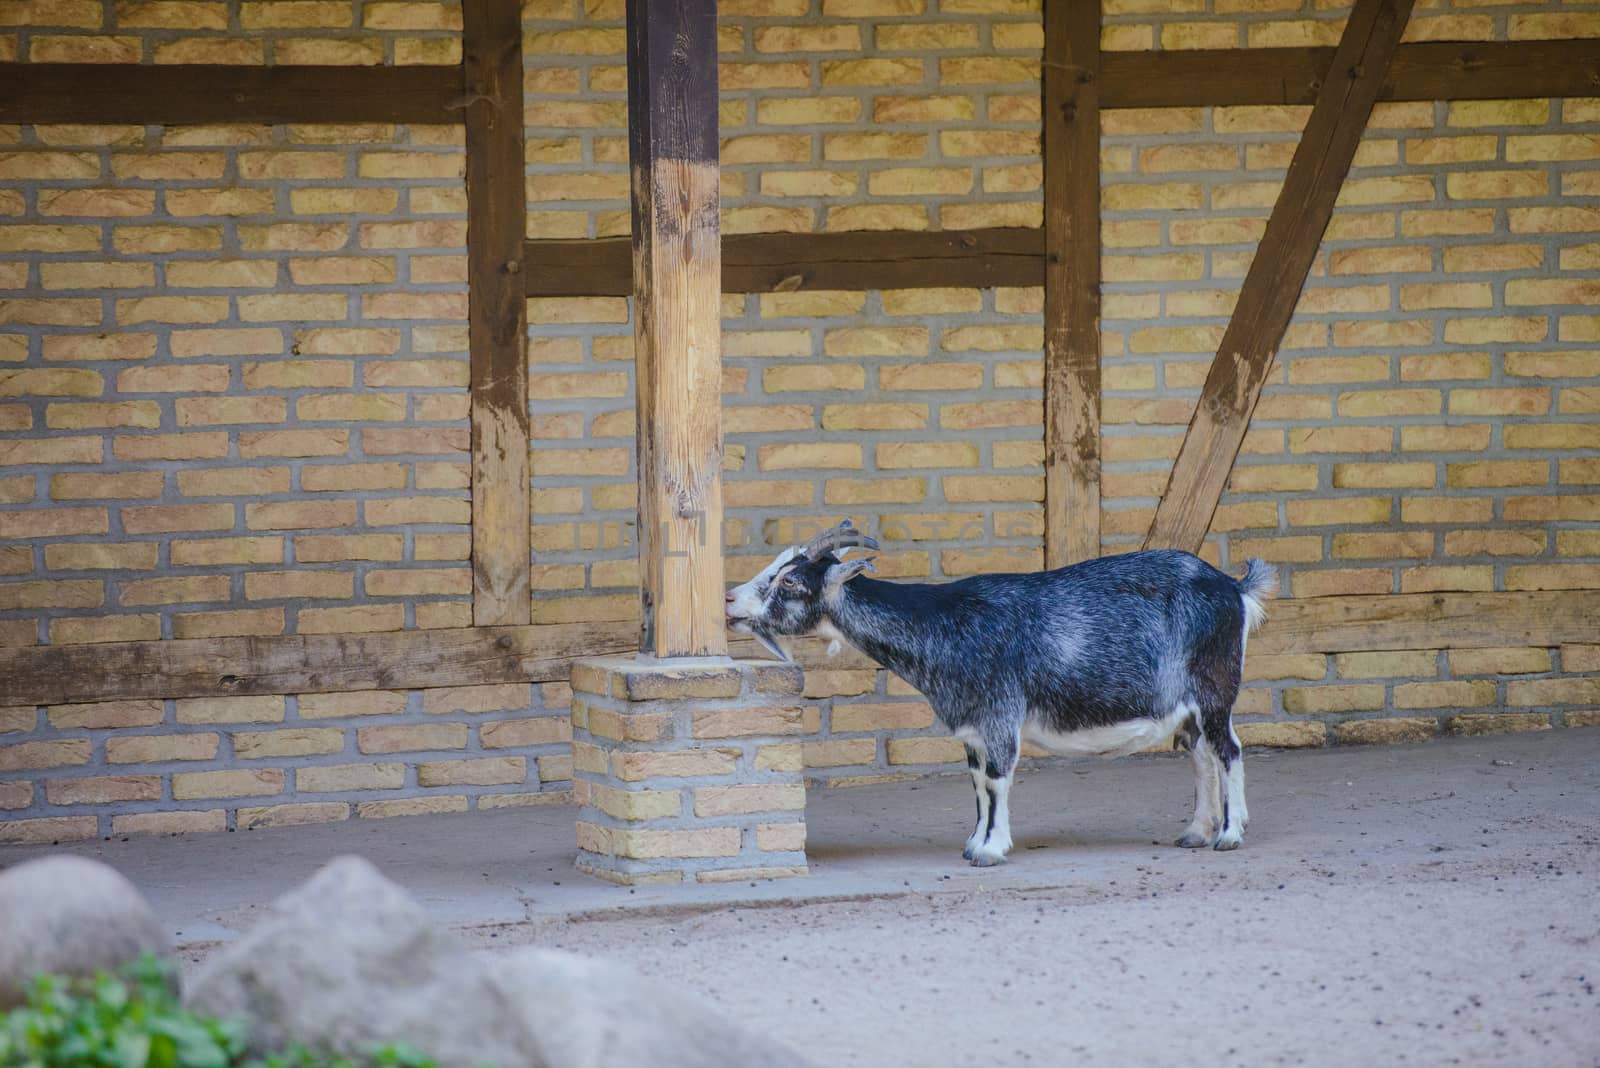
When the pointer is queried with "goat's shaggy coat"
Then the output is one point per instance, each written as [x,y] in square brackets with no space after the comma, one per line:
[1108,656]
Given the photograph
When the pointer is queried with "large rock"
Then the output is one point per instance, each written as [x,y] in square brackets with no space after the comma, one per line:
[71,916]
[349,961]
[594,1014]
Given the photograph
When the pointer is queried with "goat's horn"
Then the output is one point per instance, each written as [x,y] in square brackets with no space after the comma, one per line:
[843,536]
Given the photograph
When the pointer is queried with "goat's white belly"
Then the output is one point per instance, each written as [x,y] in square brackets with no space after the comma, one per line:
[1117,739]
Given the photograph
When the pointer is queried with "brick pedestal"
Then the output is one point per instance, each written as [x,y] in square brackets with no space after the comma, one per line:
[688,769]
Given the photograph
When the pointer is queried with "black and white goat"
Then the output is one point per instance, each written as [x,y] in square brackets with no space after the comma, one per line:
[1109,657]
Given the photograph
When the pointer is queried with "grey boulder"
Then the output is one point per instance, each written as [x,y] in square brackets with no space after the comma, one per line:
[349,961]
[71,916]
[591,1013]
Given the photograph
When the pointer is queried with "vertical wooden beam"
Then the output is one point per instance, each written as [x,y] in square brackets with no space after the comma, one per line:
[1278,273]
[497,310]
[677,273]
[1071,109]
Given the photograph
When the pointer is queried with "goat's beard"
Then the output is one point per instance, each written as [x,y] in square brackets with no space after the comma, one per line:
[770,640]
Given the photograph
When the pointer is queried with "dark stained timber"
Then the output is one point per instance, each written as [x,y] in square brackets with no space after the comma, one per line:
[673,156]
[1434,70]
[761,263]
[491,74]
[303,663]
[210,93]
[1071,111]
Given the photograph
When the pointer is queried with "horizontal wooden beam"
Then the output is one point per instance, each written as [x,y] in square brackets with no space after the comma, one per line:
[206,93]
[304,663]
[190,94]
[1436,70]
[472,656]
[761,263]
[1428,621]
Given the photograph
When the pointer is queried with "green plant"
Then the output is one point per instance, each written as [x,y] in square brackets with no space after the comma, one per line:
[134,1020]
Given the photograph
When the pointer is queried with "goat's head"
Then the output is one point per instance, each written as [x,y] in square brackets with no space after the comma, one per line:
[790,596]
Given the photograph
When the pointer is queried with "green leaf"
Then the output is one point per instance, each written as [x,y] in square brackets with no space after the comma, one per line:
[132,1049]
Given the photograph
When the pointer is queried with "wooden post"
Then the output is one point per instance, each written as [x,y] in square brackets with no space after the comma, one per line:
[1278,273]
[677,271]
[1071,112]
[497,310]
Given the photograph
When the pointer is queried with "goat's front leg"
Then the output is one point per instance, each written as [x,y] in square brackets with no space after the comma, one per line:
[999,768]
[975,763]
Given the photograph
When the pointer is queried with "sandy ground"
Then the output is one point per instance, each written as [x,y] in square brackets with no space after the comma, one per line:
[1424,905]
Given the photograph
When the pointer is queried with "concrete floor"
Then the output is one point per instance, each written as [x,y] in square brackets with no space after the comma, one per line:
[1430,904]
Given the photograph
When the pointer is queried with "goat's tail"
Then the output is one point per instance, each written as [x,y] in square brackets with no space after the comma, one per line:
[1260,583]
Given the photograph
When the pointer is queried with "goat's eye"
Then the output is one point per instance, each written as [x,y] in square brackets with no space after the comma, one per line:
[790,582]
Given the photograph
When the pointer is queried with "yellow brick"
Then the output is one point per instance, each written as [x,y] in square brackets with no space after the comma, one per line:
[1428,579]
[219,624]
[1285,666]
[1383,475]
[487,771]
[988,70]
[107,714]
[338,778]
[50,830]
[1341,439]
[1390,731]
[160,748]
[1497,723]
[1553,577]
[230,710]
[188,786]
[808,455]
[1498,113]
[23,756]
[654,844]
[937,750]
[1504,661]
[411,806]
[1497,473]
[1290,735]
[1343,582]
[102,790]
[291,742]
[712,801]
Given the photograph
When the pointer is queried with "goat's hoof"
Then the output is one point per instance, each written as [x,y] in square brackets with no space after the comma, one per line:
[1227,842]
[987,860]
[1191,840]
[966,854]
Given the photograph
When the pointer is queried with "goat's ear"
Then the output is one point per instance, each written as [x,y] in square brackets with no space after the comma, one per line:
[839,574]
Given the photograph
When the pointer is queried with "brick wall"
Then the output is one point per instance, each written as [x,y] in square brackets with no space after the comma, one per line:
[232,370]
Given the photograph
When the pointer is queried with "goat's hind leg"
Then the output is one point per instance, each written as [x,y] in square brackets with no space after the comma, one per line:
[1219,809]
[1202,829]
[1231,760]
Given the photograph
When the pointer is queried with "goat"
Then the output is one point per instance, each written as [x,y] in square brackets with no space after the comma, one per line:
[1108,657]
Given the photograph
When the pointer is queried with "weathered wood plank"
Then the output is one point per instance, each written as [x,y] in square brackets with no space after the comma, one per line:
[475,656]
[303,663]
[760,263]
[1434,70]
[209,93]
[677,264]
[497,311]
[1071,110]
[1277,274]
[1428,621]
